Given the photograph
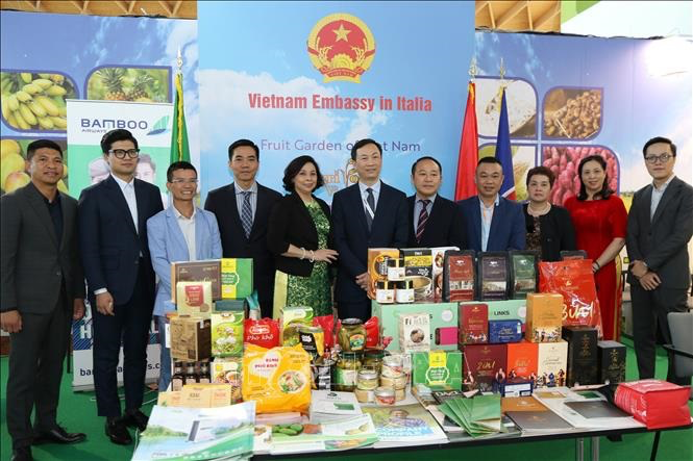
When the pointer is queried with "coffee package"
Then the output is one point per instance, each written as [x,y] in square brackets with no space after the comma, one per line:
[459,276]
[493,275]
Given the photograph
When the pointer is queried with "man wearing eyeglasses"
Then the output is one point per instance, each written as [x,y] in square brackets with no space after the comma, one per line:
[113,218]
[182,232]
[660,224]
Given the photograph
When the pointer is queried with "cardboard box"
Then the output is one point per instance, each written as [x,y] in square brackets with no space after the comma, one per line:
[169,399]
[473,323]
[196,271]
[493,276]
[231,305]
[229,371]
[418,266]
[190,338]
[236,277]
[194,298]
[484,367]
[459,276]
[505,310]
[205,395]
[583,367]
[544,317]
[552,363]
[378,263]
[438,258]
[440,314]
[291,318]
[414,332]
[505,331]
[522,360]
[612,361]
[437,369]
[227,333]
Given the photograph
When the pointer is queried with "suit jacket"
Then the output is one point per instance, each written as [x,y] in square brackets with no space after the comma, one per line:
[557,231]
[507,230]
[33,262]
[222,202]
[445,225]
[167,244]
[110,244]
[352,239]
[291,223]
[663,241]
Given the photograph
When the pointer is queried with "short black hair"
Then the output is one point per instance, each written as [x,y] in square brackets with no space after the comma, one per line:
[541,170]
[180,165]
[416,162]
[489,160]
[243,142]
[39,144]
[295,167]
[605,192]
[119,134]
[147,159]
[659,139]
[361,143]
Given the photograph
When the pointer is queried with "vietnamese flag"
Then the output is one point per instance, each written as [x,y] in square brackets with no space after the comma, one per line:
[469,149]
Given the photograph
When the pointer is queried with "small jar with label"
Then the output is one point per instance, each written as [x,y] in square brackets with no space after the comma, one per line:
[395,269]
[352,336]
[367,379]
[404,292]
[397,381]
[374,359]
[346,372]
[384,396]
[384,292]
[392,366]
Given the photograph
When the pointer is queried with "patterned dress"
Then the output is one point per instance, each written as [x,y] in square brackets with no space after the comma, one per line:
[313,291]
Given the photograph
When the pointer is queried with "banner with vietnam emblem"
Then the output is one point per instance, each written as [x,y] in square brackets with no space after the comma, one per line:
[314,77]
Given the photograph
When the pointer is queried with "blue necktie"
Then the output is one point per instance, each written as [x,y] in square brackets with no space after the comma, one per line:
[247,214]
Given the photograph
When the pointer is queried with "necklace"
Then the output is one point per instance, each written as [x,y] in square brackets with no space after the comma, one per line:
[536,213]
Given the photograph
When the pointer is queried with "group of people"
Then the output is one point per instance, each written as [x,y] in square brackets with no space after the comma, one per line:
[120,238]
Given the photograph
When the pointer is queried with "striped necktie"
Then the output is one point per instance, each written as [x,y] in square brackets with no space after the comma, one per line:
[423,218]
[247,214]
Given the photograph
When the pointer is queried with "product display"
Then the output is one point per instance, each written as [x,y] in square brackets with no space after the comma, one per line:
[438,259]
[612,361]
[437,370]
[378,264]
[484,367]
[236,277]
[441,315]
[544,317]
[227,334]
[522,361]
[507,331]
[191,338]
[552,364]
[459,276]
[418,267]
[352,335]
[194,298]
[523,273]
[583,365]
[414,332]
[493,275]
[473,323]
[196,271]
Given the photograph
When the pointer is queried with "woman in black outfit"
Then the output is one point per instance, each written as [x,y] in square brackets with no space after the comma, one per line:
[549,227]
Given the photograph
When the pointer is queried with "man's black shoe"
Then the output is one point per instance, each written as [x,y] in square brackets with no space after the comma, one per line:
[136,419]
[60,436]
[117,431]
[23,453]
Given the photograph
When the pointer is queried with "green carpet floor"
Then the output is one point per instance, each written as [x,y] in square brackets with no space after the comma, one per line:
[78,413]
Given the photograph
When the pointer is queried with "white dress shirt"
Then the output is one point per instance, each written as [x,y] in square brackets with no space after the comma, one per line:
[187,227]
[486,219]
[240,197]
[128,190]
[657,194]
[364,195]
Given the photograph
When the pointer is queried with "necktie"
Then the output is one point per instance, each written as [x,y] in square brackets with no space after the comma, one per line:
[423,218]
[247,214]
[370,200]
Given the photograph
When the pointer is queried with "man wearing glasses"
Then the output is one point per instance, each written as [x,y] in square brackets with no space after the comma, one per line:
[182,232]
[113,218]
[660,224]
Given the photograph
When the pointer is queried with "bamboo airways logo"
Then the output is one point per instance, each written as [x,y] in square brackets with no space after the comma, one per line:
[341,47]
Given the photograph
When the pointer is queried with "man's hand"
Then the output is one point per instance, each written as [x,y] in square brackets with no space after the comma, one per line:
[364,281]
[104,304]
[11,321]
[650,281]
[638,268]
[77,309]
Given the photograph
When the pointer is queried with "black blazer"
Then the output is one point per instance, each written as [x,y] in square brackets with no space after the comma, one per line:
[445,225]
[291,223]
[110,244]
[352,239]
[663,241]
[32,262]
[222,202]
[557,232]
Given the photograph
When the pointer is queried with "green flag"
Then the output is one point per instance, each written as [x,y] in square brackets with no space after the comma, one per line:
[180,150]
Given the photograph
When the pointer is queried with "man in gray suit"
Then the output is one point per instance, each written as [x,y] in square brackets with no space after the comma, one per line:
[660,225]
[42,292]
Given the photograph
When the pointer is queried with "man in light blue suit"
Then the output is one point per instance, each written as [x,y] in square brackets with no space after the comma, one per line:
[493,223]
[182,232]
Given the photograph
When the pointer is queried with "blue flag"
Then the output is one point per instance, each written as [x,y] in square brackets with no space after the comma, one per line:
[503,152]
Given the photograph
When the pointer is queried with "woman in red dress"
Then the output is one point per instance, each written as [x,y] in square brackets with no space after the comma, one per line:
[600,219]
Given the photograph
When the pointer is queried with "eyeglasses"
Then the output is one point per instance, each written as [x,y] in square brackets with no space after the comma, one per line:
[653,159]
[120,153]
[184,181]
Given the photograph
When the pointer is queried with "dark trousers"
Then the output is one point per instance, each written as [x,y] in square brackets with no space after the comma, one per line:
[650,310]
[130,324]
[35,372]
[360,310]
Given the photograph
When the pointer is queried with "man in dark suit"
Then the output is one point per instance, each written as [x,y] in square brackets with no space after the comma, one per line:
[493,223]
[365,215]
[42,292]
[660,224]
[437,222]
[242,209]
[113,218]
